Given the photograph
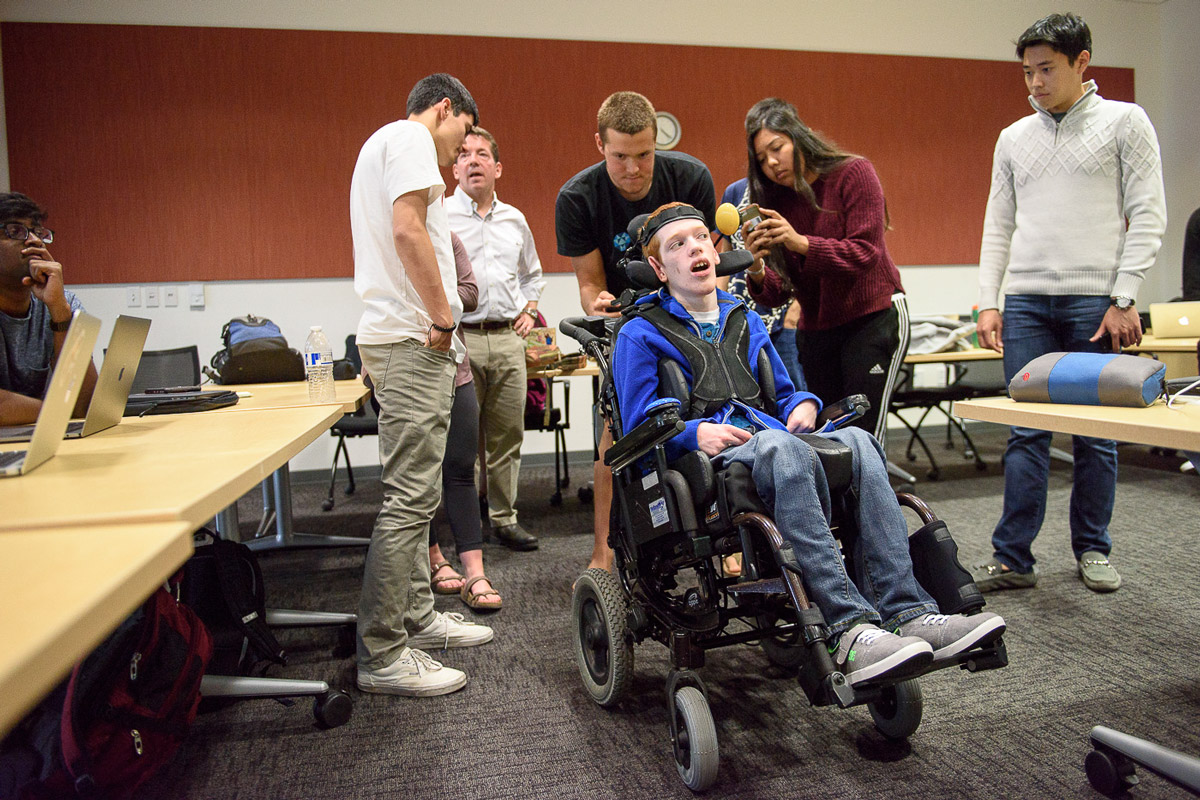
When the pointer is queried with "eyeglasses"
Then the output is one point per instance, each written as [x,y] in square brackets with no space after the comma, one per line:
[15,230]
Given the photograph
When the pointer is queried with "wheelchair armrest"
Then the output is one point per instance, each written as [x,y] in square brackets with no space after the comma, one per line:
[843,411]
[662,424]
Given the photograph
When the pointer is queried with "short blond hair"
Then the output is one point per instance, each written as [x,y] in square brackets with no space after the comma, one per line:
[627,113]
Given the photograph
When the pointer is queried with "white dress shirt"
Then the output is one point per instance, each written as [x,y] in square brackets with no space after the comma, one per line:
[503,257]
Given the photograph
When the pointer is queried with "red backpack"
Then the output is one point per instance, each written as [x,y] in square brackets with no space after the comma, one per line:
[125,709]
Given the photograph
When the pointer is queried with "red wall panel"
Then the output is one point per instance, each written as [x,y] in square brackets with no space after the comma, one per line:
[174,154]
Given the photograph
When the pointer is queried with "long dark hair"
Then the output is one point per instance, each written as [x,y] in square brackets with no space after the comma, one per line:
[809,149]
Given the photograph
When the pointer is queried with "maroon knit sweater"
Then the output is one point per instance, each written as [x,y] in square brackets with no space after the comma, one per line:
[847,272]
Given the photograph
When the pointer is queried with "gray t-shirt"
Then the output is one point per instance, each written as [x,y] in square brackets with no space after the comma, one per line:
[27,348]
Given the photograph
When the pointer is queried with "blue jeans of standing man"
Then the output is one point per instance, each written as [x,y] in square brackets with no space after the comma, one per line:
[1033,326]
[792,483]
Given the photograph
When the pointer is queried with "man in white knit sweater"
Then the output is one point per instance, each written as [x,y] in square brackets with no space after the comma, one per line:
[1075,217]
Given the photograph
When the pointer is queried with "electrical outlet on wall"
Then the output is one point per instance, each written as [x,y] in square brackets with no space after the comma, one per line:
[170,296]
[133,296]
[196,295]
[151,297]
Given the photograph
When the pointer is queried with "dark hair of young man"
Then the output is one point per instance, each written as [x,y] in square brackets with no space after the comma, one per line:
[432,88]
[1064,33]
[14,205]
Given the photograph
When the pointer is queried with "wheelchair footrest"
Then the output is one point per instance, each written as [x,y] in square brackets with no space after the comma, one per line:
[767,586]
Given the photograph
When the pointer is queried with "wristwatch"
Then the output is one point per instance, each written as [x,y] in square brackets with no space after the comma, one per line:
[1121,302]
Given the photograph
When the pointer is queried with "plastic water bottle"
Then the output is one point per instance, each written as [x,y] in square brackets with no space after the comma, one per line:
[318,367]
[975,319]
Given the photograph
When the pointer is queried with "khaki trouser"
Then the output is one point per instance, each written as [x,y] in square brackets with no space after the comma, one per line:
[498,367]
[415,388]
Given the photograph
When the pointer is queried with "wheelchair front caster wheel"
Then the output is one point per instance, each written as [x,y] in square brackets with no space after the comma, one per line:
[897,712]
[327,505]
[601,636]
[696,753]
[333,708]
[788,652]
[1109,773]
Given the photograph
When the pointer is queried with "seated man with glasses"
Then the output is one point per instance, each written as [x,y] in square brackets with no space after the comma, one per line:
[35,312]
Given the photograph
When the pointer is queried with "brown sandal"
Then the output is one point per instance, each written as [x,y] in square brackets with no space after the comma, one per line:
[472,600]
[436,583]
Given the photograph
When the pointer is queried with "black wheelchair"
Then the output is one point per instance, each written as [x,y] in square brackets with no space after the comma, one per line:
[671,523]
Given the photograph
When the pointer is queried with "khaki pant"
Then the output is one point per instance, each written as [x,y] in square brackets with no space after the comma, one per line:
[498,367]
[415,389]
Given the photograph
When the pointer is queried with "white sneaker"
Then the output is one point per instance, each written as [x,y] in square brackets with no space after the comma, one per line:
[413,674]
[449,629]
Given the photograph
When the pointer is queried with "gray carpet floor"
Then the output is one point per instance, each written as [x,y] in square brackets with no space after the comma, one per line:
[524,728]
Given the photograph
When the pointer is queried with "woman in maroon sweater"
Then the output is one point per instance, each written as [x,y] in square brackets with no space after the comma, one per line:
[821,241]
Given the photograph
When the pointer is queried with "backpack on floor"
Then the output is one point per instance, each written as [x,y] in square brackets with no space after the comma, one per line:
[121,714]
[255,352]
[222,582]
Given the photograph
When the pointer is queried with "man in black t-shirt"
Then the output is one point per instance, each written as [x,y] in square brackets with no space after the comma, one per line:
[595,207]
[591,215]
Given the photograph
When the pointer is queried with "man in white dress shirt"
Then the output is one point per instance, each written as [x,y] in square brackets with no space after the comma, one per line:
[509,275]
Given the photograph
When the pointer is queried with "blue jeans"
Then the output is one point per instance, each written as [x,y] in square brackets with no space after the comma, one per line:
[1035,325]
[784,340]
[886,593]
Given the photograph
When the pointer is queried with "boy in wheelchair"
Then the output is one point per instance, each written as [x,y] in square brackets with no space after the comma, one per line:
[882,626]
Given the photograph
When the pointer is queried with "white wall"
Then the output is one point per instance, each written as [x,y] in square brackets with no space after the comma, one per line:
[1156,39]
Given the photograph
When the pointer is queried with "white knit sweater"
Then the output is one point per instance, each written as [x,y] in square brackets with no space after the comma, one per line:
[1061,194]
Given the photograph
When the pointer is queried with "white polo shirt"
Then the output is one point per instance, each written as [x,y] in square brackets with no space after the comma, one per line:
[397,159]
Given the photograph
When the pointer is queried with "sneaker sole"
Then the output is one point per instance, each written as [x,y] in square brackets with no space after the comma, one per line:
[908,660]
[439,643]
[984,634]
[419,691]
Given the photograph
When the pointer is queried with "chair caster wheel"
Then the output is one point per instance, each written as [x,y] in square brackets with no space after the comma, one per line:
[333,708]
[349,490]
[327,505]
[556,499]
[1109,773]
[585,494]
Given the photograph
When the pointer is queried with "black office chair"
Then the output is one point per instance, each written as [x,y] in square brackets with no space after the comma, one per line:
[542,415]
[176,367]
[963,382]
[363,422]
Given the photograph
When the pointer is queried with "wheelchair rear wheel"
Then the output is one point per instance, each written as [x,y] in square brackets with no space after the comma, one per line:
[602,646]
[696,754]
[898,712]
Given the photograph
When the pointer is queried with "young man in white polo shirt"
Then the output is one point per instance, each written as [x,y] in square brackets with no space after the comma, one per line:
[404,272]
[1065,181]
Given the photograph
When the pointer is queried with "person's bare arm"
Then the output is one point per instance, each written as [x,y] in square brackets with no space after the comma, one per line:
[593,285]
[46,281]
[415,249]
[18,409]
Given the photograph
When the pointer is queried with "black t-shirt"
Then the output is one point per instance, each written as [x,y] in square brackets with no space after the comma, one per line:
[590,213]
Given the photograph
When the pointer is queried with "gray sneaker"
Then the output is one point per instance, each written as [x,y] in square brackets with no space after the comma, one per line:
[868,653]
[413,674]
[449,629]
[992,575]
[1097,574]
[954,634]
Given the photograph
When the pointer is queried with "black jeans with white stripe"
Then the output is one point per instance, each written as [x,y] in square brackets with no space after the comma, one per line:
[860,357]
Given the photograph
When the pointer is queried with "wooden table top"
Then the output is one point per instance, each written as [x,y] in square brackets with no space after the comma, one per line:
[63,589]
[953,356]
[1152,344]
[350,393]
[1177,427]
[160,468]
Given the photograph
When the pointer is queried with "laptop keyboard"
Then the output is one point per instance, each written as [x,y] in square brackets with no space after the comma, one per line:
[11,457]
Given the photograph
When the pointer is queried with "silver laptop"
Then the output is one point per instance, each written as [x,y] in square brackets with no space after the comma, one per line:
[112,386]
[65,383]
[1175,320]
